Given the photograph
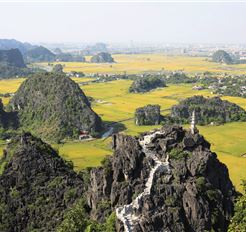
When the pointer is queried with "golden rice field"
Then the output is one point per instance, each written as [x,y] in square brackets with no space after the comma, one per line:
[139,63]
[114,103]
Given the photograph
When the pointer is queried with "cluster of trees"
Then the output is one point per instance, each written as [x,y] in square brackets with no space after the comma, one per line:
[147,83]
[238,222]
[8,71]
[228,86]
[77,219]
[179,78]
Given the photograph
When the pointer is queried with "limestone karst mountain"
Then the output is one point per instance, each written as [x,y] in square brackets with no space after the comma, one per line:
[148,115]
[222,56]
[36,186]
[39,54]
[7,44]
[54,107]
[102,57]
[164,180]
[147,83]
[12,57]
[208,110]
[190,192]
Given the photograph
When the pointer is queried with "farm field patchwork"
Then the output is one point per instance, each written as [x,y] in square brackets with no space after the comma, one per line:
[86,154]
[139,63]
[114,104]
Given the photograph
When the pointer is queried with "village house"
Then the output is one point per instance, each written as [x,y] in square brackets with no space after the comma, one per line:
[84,135]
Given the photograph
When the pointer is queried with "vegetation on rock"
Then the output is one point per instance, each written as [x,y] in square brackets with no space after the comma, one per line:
[145,84]
[180,200]
[36,186]
[58,68]
[39,54]
[54,107]
[148,115]
[207,110]
[238,222]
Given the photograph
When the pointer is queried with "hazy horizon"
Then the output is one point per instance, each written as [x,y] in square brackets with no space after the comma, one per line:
[187,23]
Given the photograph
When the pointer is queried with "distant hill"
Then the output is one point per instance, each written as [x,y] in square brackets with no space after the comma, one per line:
[68,57]
[40,54]
[102,57]
[54,107]
[96,48]
[208,110]
[12,64]
[222,56]
[12,57]
[7,44]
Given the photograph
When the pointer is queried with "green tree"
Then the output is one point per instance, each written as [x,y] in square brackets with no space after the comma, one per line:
[238,223]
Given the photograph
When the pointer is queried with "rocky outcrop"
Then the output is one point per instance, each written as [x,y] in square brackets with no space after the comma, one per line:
[208,110]
[147,83]
[196,193]
[36,186]
[102,57]
[148,115]
[164,180]
[54,107]
[222,56]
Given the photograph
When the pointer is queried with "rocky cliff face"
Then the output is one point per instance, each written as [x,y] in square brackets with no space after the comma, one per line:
[165,180]
[195,194]
[148,115]
[54,107]
[36,186]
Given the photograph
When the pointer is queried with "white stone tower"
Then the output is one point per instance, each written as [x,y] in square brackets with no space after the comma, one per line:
[193,123]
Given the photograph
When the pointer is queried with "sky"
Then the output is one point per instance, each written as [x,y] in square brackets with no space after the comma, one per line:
[121,22]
